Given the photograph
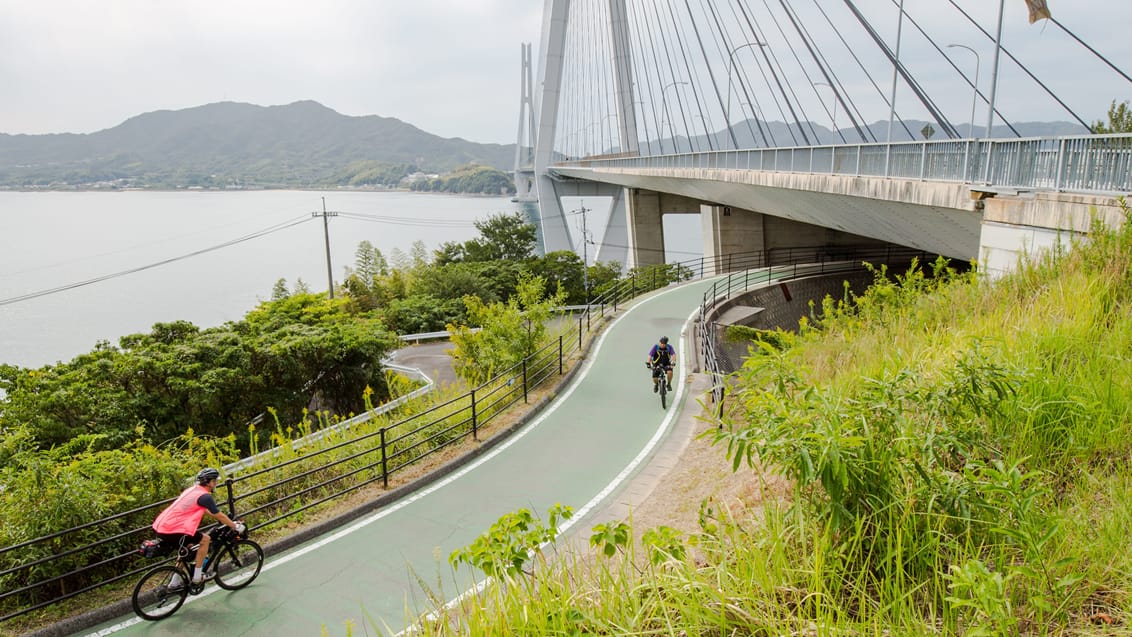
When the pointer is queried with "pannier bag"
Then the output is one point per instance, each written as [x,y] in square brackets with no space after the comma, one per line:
[151,548]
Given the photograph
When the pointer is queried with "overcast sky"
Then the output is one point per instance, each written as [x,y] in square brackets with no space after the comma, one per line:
[450,67]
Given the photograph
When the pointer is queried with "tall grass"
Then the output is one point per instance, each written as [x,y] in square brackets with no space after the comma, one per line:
[958,451]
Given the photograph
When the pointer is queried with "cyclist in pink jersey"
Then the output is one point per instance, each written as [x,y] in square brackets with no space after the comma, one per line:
[178,525]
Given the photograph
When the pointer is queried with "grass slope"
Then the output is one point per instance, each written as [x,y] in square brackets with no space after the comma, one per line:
[957,452]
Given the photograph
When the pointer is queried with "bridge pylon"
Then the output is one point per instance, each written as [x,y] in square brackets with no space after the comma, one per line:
[554,233]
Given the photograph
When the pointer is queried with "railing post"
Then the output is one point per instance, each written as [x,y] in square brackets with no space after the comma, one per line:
[475,423]
[1060,165]
[579,332]
[967,160]
[384,461]
[923,160]
[231,499]
[987,171]
[559,354]
[524,380]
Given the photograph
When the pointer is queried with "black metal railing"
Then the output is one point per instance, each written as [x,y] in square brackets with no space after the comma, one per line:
[295,478]
[778,268]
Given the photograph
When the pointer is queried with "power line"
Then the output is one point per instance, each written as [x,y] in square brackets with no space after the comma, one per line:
[106,277]
[408,221]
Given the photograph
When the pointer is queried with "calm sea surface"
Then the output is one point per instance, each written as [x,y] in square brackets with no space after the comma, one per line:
[57,239]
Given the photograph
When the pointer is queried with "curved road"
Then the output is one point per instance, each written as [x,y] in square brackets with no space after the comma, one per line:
[579,451]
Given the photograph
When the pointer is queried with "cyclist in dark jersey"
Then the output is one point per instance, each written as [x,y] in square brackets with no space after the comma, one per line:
[178,525]
[661,356]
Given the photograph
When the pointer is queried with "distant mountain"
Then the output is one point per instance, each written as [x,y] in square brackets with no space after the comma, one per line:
[749,134]
[233,144]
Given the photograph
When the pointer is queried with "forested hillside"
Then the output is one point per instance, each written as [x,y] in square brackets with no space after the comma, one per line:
[234,145]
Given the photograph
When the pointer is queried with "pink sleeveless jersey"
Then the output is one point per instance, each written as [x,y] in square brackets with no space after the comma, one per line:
[183,516]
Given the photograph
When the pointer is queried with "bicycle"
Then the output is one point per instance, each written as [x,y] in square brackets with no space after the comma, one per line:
[660,374]
[233,560]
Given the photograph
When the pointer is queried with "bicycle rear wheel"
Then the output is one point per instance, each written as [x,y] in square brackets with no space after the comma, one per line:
[238,564]
[155,597]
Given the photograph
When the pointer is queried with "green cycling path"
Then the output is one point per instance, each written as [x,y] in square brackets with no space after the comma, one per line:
[578,451]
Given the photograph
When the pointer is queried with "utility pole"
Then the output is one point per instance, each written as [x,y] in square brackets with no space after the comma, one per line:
[326,235]
[585,251]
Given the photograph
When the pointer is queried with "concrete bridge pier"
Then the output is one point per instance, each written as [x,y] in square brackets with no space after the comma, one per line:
[731,230]
[645,211]
[726,230]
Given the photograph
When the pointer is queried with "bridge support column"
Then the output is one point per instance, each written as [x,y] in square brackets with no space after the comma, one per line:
[646,232]
[728,230]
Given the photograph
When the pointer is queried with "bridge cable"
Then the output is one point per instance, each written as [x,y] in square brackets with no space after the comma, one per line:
[675,85]
[605,47]
[747,87]
[771,68]
[1023,67]
[819,62]
[961,74]
[639,61]
[660,82]
[903,71]
[719,36]
[830,76]
[718,96]
[689,129]
[601,97]
[863,68]
[794,53]
[1091,49]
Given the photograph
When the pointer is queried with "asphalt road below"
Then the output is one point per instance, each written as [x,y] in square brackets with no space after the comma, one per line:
[580,451]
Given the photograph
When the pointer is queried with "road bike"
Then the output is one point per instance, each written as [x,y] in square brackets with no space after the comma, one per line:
[660,375]
[233,560]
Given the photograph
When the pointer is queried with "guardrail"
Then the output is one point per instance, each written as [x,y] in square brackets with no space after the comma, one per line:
[289,480]
[769,272]
[1086,163]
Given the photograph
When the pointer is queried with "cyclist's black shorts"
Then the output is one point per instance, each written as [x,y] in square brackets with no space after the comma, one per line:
[180,540]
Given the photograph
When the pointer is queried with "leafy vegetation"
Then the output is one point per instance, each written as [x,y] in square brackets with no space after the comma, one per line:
[957,454]
[1119,120]
[156,386]
[509,331]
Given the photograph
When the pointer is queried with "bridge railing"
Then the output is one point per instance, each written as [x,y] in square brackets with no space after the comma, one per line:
[1085,163]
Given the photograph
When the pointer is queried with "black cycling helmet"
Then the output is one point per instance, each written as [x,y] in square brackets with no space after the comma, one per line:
[207,475]
[664,340]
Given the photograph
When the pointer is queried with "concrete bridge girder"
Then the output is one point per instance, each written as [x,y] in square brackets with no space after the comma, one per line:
[933,216]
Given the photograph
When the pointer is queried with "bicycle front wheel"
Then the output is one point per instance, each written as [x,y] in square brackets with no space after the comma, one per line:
[239,563]
[156,597]
[663,394]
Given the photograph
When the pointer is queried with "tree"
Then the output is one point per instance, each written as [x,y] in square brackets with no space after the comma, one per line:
[508,331]
[279,290]
[365,281]
[369,263]
[502,237]
[1119,120]
[563,269]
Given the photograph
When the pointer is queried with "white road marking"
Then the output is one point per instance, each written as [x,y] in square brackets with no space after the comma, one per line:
[554,405]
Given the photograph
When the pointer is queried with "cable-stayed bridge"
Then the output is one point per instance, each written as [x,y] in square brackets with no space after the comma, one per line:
[802,122]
